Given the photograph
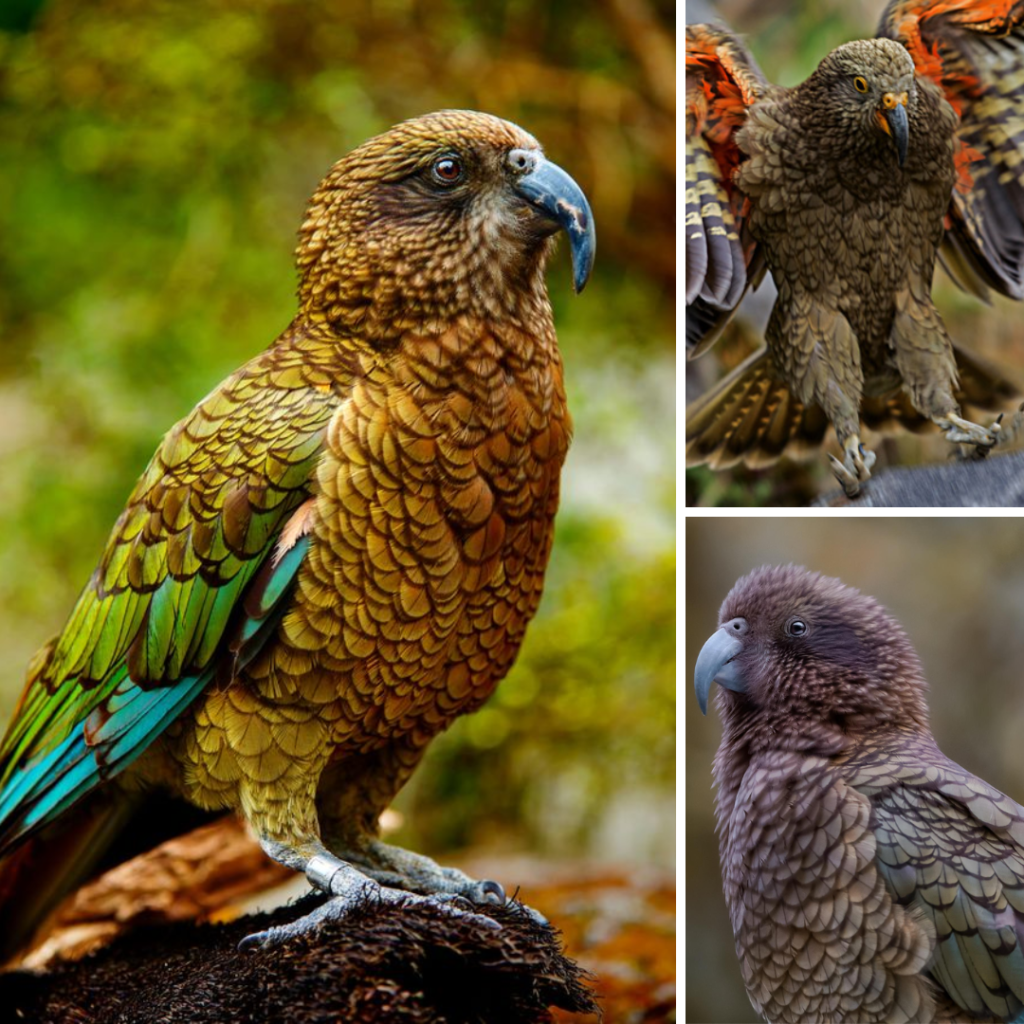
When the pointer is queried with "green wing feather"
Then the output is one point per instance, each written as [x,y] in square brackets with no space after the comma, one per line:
[199,525]
[952,847]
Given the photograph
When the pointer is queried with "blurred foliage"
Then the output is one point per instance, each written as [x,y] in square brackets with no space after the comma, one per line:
[621,929]
[956,586]
[788,39]
[155,159]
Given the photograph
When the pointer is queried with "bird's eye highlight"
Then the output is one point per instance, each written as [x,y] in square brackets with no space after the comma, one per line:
[796,627]
[447,170]
[860,84]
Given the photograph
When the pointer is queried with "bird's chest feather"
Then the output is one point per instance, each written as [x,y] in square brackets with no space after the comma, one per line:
[794,839]
[437,494]
[851,226]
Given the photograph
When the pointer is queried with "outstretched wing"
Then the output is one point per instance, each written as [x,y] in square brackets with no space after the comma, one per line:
[952,846]
[974,51]
[722,81]
[191,578]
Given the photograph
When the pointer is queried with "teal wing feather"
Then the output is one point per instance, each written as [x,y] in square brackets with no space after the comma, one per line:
[193,574]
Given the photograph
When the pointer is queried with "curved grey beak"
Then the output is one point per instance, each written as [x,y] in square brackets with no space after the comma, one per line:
[715,665]
[899,129]
[548,188]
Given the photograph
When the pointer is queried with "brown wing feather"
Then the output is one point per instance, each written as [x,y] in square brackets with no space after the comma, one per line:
[951,847]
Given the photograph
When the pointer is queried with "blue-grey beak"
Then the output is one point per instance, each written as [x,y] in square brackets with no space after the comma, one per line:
[899,129]
[548,188]
[715,662]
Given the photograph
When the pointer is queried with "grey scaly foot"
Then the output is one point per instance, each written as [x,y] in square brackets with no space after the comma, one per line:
[350,889]
[855,467]
[393,866]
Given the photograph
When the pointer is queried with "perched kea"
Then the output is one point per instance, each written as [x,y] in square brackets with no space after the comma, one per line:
[868,877]
[336,552]
[896,151]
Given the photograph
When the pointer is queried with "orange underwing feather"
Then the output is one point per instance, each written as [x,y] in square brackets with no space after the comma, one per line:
[974,52]
[722,81]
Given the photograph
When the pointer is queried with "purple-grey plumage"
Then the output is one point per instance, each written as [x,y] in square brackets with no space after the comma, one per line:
[868,877]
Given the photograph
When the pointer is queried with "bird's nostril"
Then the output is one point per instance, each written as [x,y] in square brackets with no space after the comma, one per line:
[522,160]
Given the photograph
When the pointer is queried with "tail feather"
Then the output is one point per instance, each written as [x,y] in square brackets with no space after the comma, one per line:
[105,829]
[891,413]
[751,417]
[36,876]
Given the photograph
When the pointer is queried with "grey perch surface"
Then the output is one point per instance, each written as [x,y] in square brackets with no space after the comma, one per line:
[409,965]
[994,482]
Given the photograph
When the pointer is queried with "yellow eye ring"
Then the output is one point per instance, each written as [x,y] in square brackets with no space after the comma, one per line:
[860,84]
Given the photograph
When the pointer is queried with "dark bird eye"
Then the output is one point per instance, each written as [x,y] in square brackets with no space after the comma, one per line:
[796,627]
[447,170]
[860,84]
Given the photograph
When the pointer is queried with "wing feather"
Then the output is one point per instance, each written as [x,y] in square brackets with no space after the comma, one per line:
[167,604]
[952,846]
[974,51]
[722,81]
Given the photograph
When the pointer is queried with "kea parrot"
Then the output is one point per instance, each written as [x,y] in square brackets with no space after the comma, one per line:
[868,877]
[336,553]
[896,151]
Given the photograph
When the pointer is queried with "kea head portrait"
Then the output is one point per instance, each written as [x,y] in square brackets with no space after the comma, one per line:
[447,214]
[865,96]
[797,649]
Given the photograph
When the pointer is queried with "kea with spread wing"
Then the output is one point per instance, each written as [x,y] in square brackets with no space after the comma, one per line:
[895,152]
[336,552]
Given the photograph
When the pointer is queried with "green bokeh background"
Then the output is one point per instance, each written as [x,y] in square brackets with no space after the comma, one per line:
[956,586]
[155,160]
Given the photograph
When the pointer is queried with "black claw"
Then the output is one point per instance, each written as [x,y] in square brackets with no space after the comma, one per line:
[491,888]
[534,915]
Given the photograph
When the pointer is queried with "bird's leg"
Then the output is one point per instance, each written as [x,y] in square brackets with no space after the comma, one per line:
[855,467]
[400,868]
[349,889]
[286,821]
[925,360]
[818,350]
[353,794]
[1011,430]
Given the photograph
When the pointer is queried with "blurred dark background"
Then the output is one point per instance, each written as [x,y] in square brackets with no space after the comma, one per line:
[155,161]
[788,39]
[957,587]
